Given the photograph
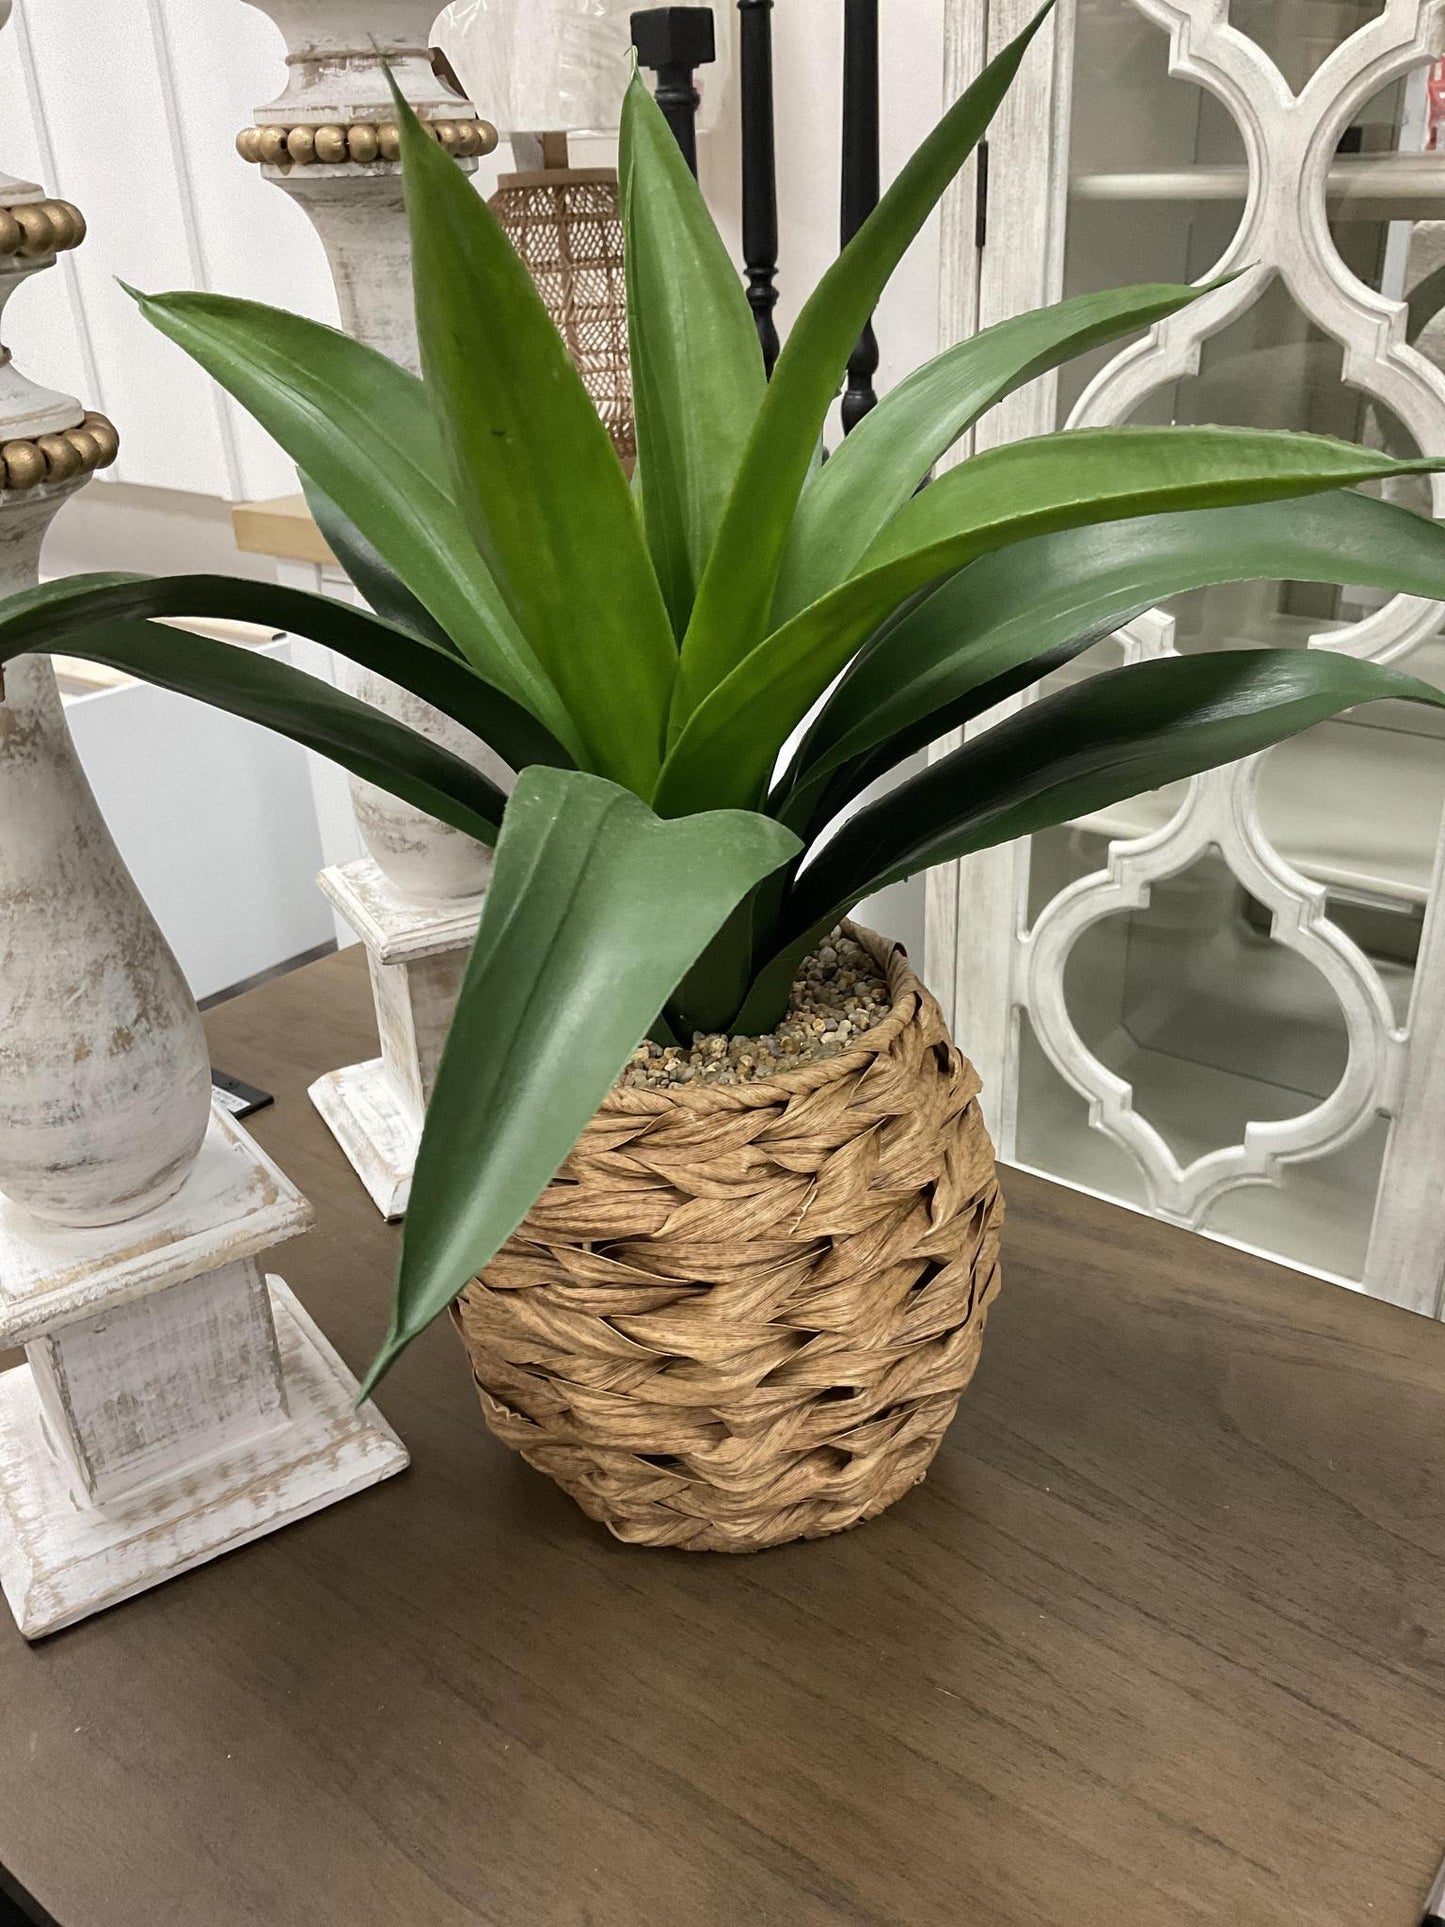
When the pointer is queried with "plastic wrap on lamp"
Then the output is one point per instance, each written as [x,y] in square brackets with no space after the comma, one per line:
[533,65]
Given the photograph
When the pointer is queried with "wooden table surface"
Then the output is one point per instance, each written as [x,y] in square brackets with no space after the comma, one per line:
[1159,1641]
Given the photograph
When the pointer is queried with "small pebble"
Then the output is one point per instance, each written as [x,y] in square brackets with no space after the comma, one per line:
[838,994]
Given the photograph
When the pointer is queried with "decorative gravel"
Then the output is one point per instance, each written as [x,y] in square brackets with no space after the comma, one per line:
[838,993]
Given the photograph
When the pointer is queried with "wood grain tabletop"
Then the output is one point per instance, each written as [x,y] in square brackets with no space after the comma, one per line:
[1160,1640]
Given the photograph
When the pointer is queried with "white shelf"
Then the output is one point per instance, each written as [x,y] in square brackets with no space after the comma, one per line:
[1358,810]
[1355,804]
[1381,187]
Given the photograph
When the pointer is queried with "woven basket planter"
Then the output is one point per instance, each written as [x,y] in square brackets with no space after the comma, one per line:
[743,1314]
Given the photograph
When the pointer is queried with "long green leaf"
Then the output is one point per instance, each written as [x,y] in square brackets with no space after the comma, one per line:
[737,588]
[1085,476]
[360,427]
[697,372]
[595,911]
[58,611]
[1103,474]
[1022,604]
[811,805]
[881,463]
[309,711]
[1111,737]
[535,472]
[370,573]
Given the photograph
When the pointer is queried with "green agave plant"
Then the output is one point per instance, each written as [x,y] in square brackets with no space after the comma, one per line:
[641,656]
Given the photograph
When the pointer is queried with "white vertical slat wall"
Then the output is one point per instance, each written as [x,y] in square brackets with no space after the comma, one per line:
[129,109]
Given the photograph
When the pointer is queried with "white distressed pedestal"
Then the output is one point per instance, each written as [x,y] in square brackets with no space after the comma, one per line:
[418,955]
[175,1401]
[329,142]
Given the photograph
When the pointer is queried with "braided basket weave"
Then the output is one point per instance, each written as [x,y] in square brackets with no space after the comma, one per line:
[743,1314]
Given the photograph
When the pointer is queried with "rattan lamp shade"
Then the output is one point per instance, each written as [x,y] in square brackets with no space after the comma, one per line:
[566,224]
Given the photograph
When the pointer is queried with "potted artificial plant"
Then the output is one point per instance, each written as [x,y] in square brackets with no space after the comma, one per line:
[744,1311]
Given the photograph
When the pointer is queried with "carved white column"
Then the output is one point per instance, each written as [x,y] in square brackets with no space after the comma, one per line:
[174,1402]
[415,899]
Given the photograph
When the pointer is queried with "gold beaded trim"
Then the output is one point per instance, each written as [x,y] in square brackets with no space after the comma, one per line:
[60,457]
[363,142]
[40,227]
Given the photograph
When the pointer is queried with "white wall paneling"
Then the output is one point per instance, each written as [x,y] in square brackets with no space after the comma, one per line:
[129,110]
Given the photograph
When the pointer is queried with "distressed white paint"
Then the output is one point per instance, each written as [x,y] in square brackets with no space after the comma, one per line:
[236,1203]
[974,908]
[1406,1258]
[135,1389]
[376,1128]
[335,55]
[418,956]
[61,1561]
[426,861]
[174,1402]
[996,964]
[219,835]
[335,73]
[104,1074]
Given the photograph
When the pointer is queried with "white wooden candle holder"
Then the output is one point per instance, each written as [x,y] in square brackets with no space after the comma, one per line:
[175,1401]
[418,956]
[330,142]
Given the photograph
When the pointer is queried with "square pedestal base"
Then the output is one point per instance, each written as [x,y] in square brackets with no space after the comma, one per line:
[60,1561]
[375,1128]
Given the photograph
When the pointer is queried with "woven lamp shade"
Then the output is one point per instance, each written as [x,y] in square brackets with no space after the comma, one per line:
[566,224]
[743,1314]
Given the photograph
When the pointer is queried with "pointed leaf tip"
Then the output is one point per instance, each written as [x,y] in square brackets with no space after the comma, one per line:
[392,1347]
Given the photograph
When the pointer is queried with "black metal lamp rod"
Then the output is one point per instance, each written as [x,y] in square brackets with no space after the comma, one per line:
[859,179]
[672,43]
[760,181]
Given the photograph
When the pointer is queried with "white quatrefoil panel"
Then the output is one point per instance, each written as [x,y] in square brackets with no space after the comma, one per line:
[1290,140]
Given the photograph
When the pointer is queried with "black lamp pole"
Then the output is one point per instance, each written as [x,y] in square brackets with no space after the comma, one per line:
[760,184]
[860,179]
[673,42]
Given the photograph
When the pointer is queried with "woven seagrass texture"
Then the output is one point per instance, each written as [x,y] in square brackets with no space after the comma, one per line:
[743,1314]
[568,230]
